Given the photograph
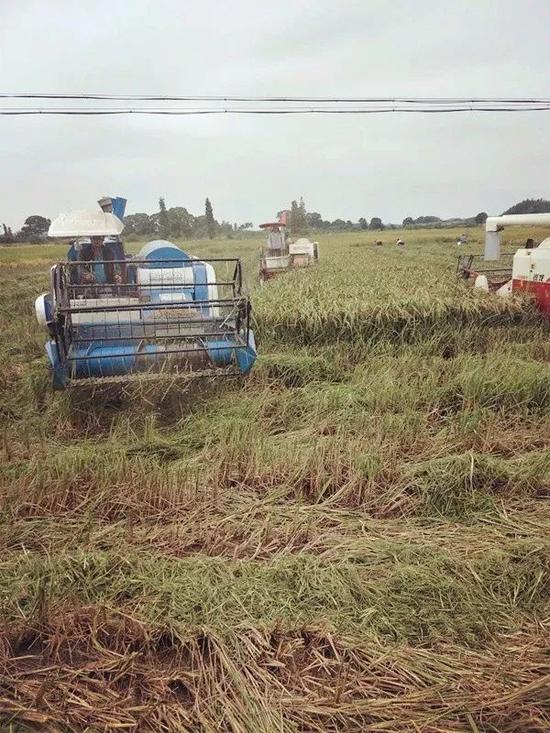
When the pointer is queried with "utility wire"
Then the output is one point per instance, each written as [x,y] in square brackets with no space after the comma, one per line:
[270,99]
[31,111]
[266,105]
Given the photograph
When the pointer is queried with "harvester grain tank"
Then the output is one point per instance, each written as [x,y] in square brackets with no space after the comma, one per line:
[162,312]
[528,271]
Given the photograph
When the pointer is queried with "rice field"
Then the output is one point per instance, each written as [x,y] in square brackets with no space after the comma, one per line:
[355,538]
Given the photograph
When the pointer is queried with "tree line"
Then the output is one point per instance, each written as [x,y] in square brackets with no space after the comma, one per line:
[175,222]
[300,221]
[178,222]
[529,206]
[435,222]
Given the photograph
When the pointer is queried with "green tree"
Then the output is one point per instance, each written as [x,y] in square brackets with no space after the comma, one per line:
[225,228]
[314,220]
[200,230]
[210,221]
[408,221]
[427,220]
[35,229]
[530,206]
[481,218]
[138,224]
[376,224]
[302,214]
[338,224]
[298,218]
[7,237]
[181,222]
[163,219]
[363,224]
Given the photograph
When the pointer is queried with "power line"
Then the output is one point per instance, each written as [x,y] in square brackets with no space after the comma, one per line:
[264,105]
[278,99]
[48,111]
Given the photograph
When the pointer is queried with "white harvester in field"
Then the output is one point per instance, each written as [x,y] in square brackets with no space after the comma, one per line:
[528,271]
[281,254]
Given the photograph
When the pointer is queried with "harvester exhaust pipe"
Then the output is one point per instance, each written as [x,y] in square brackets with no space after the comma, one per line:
[495,224]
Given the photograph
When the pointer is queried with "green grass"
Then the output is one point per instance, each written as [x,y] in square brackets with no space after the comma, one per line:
[353,538]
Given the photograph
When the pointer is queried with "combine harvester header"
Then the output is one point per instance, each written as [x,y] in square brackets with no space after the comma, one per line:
[162,311]
[530,271]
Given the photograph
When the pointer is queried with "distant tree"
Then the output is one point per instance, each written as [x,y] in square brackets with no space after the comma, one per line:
[530,206]
[481,218]
[180,222]
[363,224]
[303,214]
[427,220]
[35,229]
[140,224]
[376,224]
[163,220]
[210,221]
[199,229]
[408,221]
[298,218]
[314,220]
[226,229]
[7,236]
[246,225]
[338,224]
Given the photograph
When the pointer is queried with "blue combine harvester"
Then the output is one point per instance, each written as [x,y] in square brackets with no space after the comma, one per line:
[161,312]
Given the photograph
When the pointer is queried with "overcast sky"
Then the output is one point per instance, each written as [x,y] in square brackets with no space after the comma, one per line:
[390,166]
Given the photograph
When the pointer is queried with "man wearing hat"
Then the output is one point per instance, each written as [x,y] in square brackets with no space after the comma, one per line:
[98,256]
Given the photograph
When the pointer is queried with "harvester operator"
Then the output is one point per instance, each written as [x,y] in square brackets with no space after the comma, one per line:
[106,254]
[98,256]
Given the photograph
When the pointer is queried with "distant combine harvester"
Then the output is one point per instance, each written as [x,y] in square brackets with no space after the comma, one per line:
[282,254]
